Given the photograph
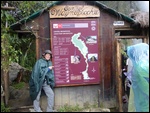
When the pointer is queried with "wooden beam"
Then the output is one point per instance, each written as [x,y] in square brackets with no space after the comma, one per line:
[8,8]
[22,107]
[123,29]
[37,45]
[118,77]
[130,37]
[20,31]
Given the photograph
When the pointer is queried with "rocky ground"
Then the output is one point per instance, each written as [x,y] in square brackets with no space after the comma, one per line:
[19,99]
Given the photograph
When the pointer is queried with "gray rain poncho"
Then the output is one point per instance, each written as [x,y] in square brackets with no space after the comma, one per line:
[139,54]
[39,73]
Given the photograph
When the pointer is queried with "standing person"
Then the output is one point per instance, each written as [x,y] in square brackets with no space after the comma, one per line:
[139,54]
[42,79]
[123,77]
[128,78]
[129,90]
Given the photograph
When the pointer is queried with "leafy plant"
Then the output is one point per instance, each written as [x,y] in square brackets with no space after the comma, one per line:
[3,108]
[18,85]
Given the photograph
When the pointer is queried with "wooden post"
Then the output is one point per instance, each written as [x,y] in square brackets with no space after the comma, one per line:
[98,97]
[118,77]
[6,87]
[37,45]
[5,71]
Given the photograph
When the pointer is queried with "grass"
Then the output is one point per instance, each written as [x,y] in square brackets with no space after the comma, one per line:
[69,108]
[19,85]
[3,108]
[77,108]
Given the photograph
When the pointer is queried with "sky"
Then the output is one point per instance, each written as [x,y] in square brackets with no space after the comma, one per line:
[144,5]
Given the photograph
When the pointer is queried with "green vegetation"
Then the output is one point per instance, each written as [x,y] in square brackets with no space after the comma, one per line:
[3,108]
[18,85]
[69,108]
[77,108]
[17,47]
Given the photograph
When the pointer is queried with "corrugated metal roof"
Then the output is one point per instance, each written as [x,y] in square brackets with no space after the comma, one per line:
[96,3]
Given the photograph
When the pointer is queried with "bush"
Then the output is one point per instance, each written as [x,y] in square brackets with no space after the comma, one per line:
[3,108]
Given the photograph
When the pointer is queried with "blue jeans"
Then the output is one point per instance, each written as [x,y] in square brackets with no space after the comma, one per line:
[50,99]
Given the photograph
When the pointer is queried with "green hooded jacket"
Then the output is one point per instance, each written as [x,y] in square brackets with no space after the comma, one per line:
[39,73]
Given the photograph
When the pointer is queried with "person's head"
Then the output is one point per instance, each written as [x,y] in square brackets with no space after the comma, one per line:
[138,52]
[47,54]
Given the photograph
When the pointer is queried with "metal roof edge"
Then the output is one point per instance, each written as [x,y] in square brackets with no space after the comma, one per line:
[36,14]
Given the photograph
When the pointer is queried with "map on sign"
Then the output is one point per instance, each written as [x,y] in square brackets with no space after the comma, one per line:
[75,51]
[83,49]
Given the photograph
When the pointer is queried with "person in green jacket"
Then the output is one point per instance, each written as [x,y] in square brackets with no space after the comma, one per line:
[42,80]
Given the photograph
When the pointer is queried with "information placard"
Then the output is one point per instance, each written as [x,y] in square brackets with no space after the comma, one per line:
[75,51]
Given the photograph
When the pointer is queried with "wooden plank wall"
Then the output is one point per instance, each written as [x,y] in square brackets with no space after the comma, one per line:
[76,95]
[107,52]
[89,94]
[82,95]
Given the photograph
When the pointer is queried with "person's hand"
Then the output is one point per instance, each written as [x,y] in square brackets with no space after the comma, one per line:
[51,67]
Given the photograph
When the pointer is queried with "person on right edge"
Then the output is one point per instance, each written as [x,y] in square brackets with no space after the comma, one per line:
[139,55]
